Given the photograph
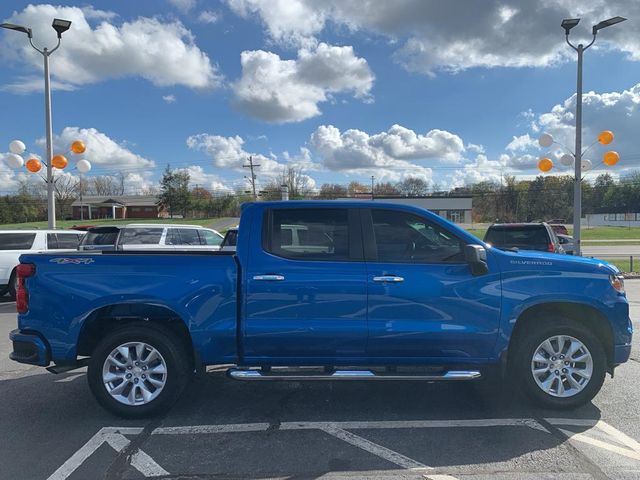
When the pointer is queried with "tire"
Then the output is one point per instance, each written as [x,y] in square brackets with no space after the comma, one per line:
[154,391]
[12,286]
[551,388]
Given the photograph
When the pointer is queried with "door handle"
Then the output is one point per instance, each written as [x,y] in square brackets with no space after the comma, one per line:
[269,278]
[388,278]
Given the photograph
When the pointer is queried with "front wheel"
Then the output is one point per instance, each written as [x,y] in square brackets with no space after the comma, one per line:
[138,372]
[561,364]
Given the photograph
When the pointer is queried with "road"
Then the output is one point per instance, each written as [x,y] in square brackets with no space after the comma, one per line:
[53,429]
[610,251]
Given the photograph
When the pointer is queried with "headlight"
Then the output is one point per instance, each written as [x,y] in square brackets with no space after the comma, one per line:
[617,282]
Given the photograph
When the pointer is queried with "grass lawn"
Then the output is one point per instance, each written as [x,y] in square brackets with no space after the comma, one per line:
[623,264]
[593,233]
[205,222]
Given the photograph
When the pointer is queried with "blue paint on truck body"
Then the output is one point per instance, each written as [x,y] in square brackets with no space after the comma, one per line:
[323,312]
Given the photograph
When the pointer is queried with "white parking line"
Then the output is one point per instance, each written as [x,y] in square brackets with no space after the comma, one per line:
[70,378]
[200,429]
[374,448]
[115,439]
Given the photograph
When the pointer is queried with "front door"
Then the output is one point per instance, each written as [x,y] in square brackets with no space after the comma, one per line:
[306,288]
[423,299]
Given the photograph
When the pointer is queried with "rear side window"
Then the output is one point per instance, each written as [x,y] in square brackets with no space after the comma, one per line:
[310,234]
[207,237]
[189,236]
[407,238]
[16,241]
[141,236]
[100,236]
[59,241]
[533,236]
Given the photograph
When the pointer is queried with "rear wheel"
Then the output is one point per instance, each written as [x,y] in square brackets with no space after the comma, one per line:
[138,372]
[560,364]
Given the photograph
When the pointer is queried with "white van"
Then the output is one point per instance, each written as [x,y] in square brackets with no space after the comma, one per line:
[140,236]
[14,243]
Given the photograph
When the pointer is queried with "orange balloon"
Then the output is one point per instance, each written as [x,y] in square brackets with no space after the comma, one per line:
[545,164]
[78,147]
[33,165]
[610,158]
[605,137]
[59,161]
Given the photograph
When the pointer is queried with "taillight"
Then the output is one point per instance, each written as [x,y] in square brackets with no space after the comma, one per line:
[551,248]
[24,270]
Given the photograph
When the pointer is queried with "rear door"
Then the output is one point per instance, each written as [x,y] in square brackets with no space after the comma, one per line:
[306,297]
[423,301]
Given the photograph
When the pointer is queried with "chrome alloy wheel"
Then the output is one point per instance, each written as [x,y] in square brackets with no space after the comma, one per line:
[134,373]
[562,366]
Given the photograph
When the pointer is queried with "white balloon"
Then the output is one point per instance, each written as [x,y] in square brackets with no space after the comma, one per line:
[17,147]
[83,166]
[566,159]
[545,140]
[14,160]
[586,165]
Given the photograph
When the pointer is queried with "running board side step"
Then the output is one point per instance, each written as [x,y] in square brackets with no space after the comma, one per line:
[260,375]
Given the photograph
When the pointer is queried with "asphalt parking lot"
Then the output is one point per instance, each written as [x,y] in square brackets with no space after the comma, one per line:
[53,429]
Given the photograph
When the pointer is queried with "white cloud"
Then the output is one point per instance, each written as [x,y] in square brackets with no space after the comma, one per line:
[209,17]
[281,91]
[453,36]
[94,50]
[183,5]
[480,170]
[102,151]
[198,177]
[229,153]
[521,143]
[385,155]
[169,98]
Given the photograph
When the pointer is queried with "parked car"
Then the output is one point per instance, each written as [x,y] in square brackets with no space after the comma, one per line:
[168,237]
[559,228]
[524,236]
[101,239]
[151,237]
[370,288]
[567,243]
[230,240]
[14,243]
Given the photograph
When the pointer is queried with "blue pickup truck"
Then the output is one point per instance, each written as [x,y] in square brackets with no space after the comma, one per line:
[325,290]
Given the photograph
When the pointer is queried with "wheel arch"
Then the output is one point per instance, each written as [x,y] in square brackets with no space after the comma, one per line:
[581,313]
[111,317]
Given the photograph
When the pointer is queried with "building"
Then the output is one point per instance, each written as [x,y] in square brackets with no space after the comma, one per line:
[117,206]
[611,220]
[456,209]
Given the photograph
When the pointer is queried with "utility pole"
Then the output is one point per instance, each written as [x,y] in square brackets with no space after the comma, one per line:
[372,179]
[251,166]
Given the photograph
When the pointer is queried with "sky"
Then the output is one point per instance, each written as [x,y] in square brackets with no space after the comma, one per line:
[451,92]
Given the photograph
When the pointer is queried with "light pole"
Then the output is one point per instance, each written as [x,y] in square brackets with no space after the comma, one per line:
[568,24]
[60,26]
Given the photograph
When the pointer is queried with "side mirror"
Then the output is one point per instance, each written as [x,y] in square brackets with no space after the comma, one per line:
[476,257]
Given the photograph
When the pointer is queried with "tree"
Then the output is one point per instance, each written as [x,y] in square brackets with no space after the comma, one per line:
[355,188]
[413,187]
[174,191]
[331,191]
[385,188]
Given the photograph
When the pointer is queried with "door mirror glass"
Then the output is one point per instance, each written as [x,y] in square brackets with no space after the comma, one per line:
[476,257]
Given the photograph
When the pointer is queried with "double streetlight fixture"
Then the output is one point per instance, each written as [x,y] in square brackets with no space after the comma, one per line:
[568,24]
[60,26]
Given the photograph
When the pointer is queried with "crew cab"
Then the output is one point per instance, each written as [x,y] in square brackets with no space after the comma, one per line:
[369,291]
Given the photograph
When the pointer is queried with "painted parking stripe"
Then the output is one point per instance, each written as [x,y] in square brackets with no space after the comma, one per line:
[440,477]
[70,378]
[208,429]
[374,448]
[115,439]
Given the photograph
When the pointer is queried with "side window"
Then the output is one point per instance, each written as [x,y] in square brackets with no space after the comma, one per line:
[310,234]
[141,236]
[68,240]
[406,238]
[207,237]
[52,241]
[230,239]
[173,237]
[189,236]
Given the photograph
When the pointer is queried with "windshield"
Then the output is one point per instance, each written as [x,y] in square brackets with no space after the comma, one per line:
[532,237]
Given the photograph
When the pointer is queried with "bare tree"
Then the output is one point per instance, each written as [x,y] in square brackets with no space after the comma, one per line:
[413,187]
[67,190]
